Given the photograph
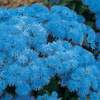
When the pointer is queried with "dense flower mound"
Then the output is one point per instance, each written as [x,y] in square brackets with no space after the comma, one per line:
[37,43]
[53,96]
[94,6]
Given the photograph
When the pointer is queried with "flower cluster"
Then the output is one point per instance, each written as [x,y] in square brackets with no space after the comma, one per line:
[94,5]
[53,96]
[37,43]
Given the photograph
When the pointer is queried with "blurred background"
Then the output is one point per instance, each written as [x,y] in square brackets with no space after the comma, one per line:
[14,3]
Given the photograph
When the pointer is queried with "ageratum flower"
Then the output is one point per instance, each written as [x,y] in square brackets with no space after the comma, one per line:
[37,43]
[94,6]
